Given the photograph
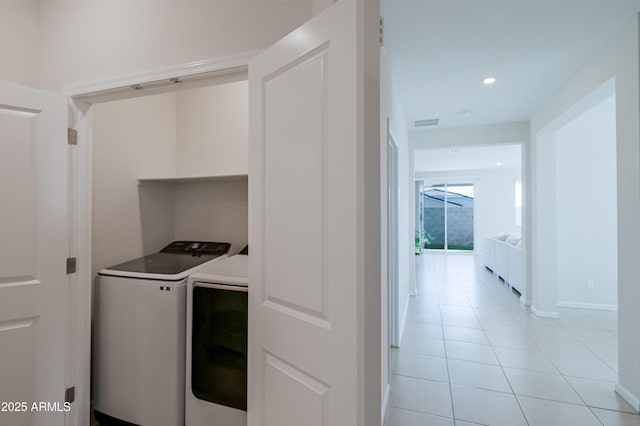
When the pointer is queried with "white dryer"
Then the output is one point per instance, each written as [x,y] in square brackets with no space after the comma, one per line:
[216,374]
[139,335]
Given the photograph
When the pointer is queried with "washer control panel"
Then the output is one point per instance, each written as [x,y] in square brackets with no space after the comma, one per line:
[197,248]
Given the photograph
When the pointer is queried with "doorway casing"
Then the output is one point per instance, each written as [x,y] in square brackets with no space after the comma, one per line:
[81,98]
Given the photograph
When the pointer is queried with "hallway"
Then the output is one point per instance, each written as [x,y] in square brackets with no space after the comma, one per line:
[472,354]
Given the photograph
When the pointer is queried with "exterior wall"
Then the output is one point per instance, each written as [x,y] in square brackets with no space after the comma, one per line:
[433,222]
[459,226]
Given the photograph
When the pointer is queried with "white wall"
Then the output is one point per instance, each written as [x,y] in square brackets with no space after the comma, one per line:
[212,130]
[488,134]
[320,5]
[132,138]
[406,248]
[56,43]
[391,109]
[213,212]
[195,132]
[619,60]
[586,209]
[494,191]
[85,41]
[20,42]
[542,290]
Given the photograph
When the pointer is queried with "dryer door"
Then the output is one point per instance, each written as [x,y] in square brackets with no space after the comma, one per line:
[219,344]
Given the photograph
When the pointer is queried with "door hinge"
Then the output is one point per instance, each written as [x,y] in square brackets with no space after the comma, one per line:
[381,31]
[71,265]
[70,394]
[72,136]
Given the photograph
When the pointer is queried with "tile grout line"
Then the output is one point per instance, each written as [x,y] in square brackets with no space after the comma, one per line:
[444,344]
[582,399]
[449,280]
[564,377]
[492,351]
[592,352]
[524,416]
[420,412]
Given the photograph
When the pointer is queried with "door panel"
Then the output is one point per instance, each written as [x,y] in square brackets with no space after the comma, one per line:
[285,384]
[33,251]
[304,265]
[16,366]
[295,111]
[17,241]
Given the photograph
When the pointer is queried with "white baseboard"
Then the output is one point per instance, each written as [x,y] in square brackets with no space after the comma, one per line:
[597,306]
[524,301]
[545,314]
[628,396]
[385,404]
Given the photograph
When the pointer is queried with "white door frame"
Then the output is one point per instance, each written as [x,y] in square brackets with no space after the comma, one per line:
[82,97]
[544,301]
[392,238]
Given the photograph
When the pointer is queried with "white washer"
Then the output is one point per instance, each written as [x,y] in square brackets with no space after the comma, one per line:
[139,329]
[216,374]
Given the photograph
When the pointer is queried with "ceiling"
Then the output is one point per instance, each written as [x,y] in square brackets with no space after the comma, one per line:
[475,158]
[441,50]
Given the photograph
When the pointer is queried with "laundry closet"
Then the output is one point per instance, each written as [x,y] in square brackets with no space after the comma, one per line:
[170,191]
[170,166]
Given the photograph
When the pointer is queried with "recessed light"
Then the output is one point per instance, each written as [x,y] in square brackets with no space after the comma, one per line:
[455,150]
[498,164]
[489,81]
[465,113]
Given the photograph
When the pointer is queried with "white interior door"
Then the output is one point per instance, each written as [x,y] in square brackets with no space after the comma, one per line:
[305,334]
[33,252]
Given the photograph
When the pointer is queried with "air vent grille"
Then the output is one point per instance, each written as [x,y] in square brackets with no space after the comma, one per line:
[428,122]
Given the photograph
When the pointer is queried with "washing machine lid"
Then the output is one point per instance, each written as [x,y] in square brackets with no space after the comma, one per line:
[232,271]
[174,262]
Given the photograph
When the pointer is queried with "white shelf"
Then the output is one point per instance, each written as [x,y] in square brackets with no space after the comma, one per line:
[194,179]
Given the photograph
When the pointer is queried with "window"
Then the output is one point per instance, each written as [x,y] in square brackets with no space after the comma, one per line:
[448,217]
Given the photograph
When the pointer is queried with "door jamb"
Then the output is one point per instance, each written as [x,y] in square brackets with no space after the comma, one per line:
[392,239]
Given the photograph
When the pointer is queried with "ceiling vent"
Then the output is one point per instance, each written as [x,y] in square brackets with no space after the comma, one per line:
[425,123]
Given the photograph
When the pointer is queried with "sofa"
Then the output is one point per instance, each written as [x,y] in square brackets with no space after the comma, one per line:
[503,256]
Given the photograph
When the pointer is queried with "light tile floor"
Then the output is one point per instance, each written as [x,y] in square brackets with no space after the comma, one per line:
[472,354]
